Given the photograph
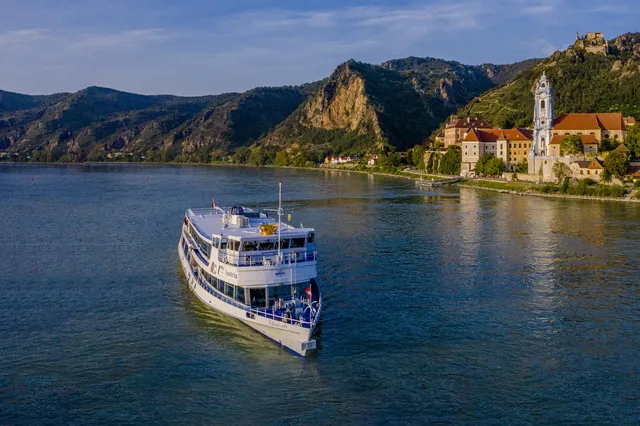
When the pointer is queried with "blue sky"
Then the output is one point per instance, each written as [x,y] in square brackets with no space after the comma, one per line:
[194,47]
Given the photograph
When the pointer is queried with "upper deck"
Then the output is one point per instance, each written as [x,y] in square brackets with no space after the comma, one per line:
[244,225]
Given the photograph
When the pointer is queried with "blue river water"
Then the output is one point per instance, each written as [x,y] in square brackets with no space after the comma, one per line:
[450,306]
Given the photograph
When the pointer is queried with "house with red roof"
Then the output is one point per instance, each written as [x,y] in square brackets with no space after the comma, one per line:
[511,145]
[458,128]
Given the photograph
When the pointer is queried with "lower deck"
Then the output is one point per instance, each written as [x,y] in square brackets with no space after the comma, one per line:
[297,303]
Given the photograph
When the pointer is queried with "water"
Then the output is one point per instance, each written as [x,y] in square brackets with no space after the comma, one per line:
[451,306]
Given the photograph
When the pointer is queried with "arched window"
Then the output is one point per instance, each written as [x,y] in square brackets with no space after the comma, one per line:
[544,85]
[542,103]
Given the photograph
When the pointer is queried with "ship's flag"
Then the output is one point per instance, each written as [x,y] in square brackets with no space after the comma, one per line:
[289,217]
[213,203]
[308,291]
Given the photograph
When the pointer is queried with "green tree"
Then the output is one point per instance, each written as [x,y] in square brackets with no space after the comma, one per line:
[571,145]
[633,140]
[282,158]
[523,166]
[617,164]
[256,158]
[241,156]
[561,171]
[451,161]
[482,162]
[418,157]
[494,167]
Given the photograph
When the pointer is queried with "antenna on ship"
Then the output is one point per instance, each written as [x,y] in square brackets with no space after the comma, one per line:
[279,219]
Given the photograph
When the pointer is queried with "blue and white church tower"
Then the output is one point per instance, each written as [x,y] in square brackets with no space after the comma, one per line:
[542,117]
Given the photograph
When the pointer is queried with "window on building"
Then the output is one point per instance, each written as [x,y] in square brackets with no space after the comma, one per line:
[588,172]
[543,104]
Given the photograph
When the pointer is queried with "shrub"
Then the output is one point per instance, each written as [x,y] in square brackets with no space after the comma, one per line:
[548,188]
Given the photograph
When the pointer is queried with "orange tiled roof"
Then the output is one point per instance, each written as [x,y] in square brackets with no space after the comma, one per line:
[476,135]
[630,121]
[622,148]
[494,135]
[605,121]
[586,139]
[595,164]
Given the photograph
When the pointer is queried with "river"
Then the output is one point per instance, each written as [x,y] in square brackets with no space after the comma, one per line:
[445,306]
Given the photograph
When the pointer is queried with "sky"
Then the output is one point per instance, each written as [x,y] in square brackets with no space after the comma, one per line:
[198,47]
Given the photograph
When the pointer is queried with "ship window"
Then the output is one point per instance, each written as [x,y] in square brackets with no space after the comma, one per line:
[228,289]
[267,245]
[216,242]
[249,245]
[240,294]
[280,292]
[204,246]
[297,242]
[220,285]
[258,297]
[311,237]
[223,245]
[234,245]
[284,243]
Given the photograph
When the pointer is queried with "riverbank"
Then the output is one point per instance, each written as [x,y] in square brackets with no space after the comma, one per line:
[519,189]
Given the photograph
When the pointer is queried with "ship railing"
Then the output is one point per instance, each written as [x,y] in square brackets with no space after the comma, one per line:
[266,258]
[215,293]
[293,319]
[251,312]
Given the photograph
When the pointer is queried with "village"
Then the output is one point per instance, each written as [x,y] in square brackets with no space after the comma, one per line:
[572,146]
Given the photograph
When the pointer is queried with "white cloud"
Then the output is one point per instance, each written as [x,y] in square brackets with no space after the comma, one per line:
[124,39]
[539,10]
[20,38]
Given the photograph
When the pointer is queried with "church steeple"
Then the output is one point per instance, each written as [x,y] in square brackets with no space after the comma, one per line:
[542,116]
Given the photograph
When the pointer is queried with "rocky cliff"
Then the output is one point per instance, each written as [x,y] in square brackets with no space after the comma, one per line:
[364,108]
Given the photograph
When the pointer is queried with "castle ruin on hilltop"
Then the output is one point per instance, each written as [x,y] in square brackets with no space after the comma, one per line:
[592,43]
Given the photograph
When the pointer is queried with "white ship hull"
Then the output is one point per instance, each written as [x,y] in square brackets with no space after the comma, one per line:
[292,336]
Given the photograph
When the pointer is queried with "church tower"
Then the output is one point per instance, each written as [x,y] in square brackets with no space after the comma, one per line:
[542,117]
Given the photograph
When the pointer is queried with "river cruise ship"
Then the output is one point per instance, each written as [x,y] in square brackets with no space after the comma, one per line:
[251,266]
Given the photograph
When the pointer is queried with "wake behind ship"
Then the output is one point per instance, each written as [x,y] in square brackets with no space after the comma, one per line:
[256,269]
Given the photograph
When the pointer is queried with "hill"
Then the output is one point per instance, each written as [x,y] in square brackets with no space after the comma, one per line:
[359,108]
[584,79]
[363,108]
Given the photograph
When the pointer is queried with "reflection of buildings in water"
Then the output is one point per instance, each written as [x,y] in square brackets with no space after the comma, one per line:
[461,227]
[581,219]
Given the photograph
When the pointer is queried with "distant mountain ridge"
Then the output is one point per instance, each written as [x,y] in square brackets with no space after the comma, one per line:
[359,108]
